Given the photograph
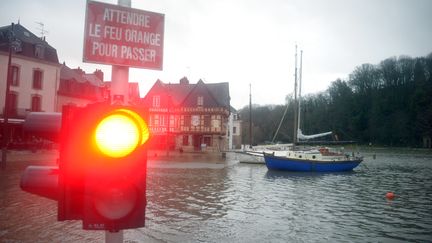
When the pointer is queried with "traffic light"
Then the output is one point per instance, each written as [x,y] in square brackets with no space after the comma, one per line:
[102,167]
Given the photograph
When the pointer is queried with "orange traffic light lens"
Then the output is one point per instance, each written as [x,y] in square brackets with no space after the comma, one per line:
[120,133]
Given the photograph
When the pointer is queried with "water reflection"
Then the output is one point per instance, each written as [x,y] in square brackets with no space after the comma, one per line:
[276,174]
[248,203]
[181,194]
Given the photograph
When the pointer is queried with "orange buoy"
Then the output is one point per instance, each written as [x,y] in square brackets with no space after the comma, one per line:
[390,195]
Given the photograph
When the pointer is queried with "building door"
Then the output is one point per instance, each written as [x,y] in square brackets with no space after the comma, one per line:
[196,139]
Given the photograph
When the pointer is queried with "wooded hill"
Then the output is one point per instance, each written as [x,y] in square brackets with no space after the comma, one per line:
[385,104]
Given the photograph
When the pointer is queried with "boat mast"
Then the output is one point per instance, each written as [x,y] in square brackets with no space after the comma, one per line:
[250,116]
[299,94]
[295,101]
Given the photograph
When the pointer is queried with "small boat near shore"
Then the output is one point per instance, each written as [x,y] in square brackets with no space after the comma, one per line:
[308,159]
[312,160]
[255,155]
[250,157]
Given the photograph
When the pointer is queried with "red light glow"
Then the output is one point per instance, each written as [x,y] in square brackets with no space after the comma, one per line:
[121,133]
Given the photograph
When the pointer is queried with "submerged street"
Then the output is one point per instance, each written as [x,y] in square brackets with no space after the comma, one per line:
[227,201]
[125,114]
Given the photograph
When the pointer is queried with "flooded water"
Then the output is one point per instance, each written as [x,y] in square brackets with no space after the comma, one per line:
[227,201]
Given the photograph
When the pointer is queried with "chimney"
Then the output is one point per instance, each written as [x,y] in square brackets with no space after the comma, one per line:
[184,81]
[79,71]
[99,74]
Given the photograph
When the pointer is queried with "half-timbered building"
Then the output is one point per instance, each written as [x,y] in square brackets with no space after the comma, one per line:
[188,117]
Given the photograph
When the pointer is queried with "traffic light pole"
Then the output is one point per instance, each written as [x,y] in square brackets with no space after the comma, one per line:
[119,88]
[113,237]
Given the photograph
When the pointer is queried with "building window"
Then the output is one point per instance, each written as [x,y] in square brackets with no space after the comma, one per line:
[207,121]
[156,101]
[171,121]
[216,124]
[15,76]
[200,101]
[176,122]
[37,79]
[156,120]
[36,103]
[187,121]
[234,130]
[162,121]
[195,120]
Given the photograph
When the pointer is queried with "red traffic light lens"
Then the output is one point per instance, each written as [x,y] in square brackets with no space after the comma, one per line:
[115,202]
[120,133]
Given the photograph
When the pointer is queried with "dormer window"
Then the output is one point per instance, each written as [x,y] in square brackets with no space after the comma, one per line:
[39,51]
[156,101]
[200,101]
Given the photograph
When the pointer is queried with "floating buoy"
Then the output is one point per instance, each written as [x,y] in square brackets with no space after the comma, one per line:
[390,195]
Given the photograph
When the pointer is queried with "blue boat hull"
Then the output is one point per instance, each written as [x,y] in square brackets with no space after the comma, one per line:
[288,164]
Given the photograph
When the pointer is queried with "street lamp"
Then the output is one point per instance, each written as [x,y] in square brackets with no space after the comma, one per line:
[14,44]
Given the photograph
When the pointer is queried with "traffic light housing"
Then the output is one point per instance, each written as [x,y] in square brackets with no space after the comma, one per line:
[102,167]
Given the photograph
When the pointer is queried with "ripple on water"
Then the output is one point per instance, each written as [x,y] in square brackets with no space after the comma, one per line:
[248,203]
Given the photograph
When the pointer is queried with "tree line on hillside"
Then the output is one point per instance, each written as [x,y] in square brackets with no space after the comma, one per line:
[385,104]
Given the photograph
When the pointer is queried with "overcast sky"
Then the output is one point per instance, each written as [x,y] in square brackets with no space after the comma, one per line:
[249,41]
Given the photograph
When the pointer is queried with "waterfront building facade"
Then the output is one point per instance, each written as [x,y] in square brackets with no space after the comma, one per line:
[188,117]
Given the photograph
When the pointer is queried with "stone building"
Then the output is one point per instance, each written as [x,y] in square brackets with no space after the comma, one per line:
[34,79]
[35,72]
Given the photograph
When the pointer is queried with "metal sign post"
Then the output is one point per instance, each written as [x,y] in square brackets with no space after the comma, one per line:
[113,237]
[119,84]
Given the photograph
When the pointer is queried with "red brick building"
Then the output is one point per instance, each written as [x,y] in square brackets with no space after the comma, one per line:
[188,117]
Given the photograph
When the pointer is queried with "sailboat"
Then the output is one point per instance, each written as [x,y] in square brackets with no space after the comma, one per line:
[307,159]
[250,154]
[255,154]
